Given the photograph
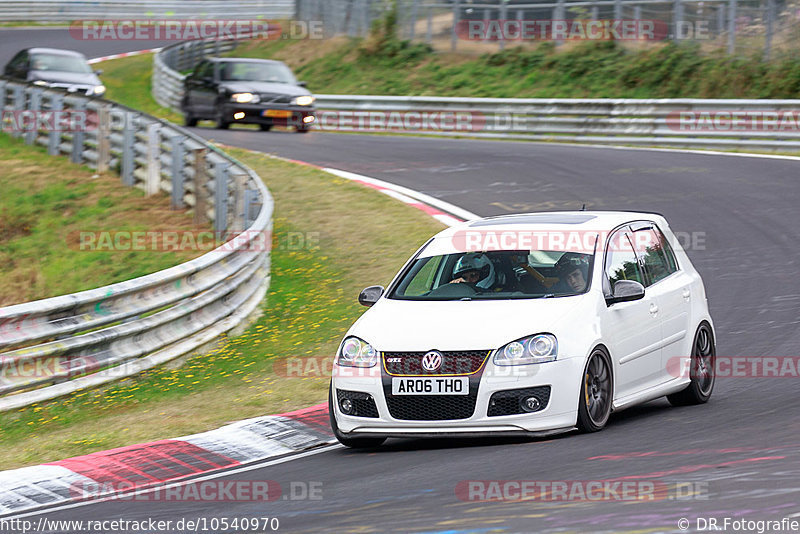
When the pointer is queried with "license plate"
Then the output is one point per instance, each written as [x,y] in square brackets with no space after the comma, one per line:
[431,386]
[277,113]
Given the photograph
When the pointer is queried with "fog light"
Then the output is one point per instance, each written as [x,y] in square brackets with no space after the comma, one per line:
[346,405]
[238,115]
[308,119]
[530,404]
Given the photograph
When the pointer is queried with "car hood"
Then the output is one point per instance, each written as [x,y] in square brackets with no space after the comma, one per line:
[404,325]
[54,76]
[265,87]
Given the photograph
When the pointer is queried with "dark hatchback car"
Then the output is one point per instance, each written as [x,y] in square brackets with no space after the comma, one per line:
[52,67]
[247,91]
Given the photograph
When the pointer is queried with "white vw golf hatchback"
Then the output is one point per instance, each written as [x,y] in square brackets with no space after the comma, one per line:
[525,324]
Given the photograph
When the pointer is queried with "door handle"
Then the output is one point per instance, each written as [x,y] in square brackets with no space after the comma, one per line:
[653,309]
[687,294]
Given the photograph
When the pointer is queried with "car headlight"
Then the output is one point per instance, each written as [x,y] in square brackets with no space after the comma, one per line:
[98,90]
[245,98]
[42,83]
[354,352]
[540,348]
[305,100]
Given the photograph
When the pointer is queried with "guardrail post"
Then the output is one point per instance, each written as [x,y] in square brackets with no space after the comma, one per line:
[128,152]
[412,30]
[732,27]
[618,9]
[221,198]
[78,136]
[677,22]
[178,157]
[456,16]
[240,217]
[35,107]
[637,12]
[595,12]
[153,182]
[200,191]
[103,140]
[54,138]
[720,19]
[503,15]
[3,84]
[770,17]
[560,13]
[429,29]
[17,106]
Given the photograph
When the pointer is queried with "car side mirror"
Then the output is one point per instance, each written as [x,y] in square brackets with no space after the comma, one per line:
[626,291]
[98,72]
[370,295]
[302,84]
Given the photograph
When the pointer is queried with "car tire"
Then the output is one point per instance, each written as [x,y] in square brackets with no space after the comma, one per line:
[265,127]
[597,391]
[222,124]
[701,372]
[353,443]
[302,129]
[189,120]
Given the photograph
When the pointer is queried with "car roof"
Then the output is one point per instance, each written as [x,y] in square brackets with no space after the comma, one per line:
[55,52]
[575,220]
[589,222]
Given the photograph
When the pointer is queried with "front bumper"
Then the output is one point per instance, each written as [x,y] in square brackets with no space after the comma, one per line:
[560,413]
[295,116]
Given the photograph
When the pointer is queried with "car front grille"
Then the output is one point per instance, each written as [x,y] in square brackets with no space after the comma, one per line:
[453,362]
[509,402]
[432,407]
[363,403]
[275,98]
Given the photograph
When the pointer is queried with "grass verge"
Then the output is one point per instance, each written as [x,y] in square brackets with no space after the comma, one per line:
[387,66]
[351,237]
[46,202]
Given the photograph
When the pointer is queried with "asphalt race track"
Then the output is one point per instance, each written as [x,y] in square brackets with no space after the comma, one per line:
[739,454]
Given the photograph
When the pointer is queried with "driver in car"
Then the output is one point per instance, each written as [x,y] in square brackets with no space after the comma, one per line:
[572,269]
[475,269]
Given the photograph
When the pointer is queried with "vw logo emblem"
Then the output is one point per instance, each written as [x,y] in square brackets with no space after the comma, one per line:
[432,361]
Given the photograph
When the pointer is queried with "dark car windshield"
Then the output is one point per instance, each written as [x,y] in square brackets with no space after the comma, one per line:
[256,72]
[59,63]
[496,275]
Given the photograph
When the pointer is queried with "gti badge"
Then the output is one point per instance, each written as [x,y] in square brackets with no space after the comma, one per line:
[432,361]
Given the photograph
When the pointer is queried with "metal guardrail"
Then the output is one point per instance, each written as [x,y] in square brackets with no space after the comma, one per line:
[71,10]
[638,122]
[58,345]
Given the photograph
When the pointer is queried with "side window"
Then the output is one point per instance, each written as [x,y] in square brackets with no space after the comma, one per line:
[203,70]
[621,263]
[650,244]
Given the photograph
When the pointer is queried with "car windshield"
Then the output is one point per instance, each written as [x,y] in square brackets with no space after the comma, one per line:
[496,275]
[256,72]
[60,63]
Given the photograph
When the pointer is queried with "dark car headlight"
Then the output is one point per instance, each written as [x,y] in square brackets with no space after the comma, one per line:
[540,348]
